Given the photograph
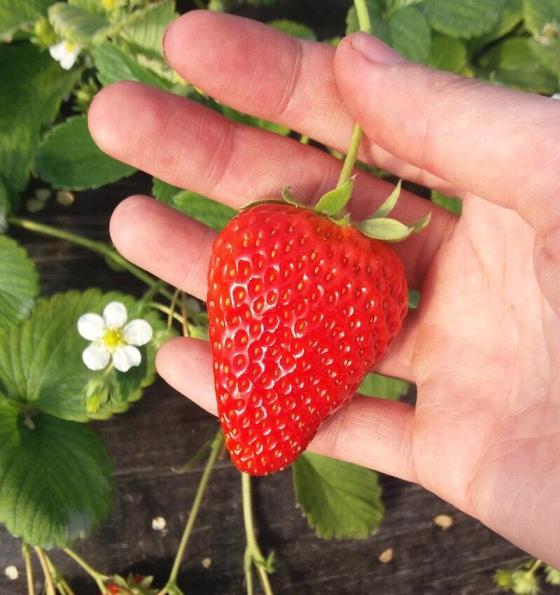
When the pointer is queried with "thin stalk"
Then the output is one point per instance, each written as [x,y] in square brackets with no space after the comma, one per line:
[535,566]
[60,581]
[172,307]
[98,247]
[98,577]
[28,568]
[352,154]
[253,551]
[184,314]
[167,310]
[46,572]
[214,452]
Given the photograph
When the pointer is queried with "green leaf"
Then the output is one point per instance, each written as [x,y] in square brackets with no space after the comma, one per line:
[41,359]
[76,24]
[513,63]
[13,15]
[335,200]
[542,18]
[19,283]
[33,86]
[383,387]
[213,214]
[455,205]
[510,16]
[115,64]
[447,53]
[548,55]
[379,25]
[410,34]
[394,5]
[55,478]
[94,6]
[464,18]
[5,204]
[68,158]
[292,28]
[340,500]
[144,28]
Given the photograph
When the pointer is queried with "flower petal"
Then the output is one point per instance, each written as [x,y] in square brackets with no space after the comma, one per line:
[91,326]
[138,332]
[96,357]
[115,315]
[57,51]
[126,357]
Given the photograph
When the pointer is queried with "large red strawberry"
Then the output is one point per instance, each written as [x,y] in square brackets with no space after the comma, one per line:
[301,308]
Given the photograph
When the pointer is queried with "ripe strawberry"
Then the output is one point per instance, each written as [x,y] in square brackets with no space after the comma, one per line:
[301,308]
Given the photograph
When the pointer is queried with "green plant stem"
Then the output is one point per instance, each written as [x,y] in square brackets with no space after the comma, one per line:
[60,582]
[98,247]
[214,452]
[96,576]
[46,572]
[184,314]
[172,307]
[252,551]
[167,310]
[535,566]
[28,568]
[352,154]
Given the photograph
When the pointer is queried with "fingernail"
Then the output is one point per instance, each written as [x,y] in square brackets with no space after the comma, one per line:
[374,50]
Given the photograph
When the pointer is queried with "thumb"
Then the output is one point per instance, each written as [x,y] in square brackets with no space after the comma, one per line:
[483,139]
[547,267]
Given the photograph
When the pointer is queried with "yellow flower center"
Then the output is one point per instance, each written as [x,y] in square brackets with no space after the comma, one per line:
[112,339]
[69,46]
[109,5]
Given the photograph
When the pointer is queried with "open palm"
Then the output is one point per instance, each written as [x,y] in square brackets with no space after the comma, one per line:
[484,346]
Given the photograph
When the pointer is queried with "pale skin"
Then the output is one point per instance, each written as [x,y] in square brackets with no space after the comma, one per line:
[484,347]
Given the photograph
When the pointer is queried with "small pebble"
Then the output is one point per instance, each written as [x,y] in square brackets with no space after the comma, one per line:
[34,205]
[159,523]
[386,555]
[65,198]
[206,562]
[42,194]
[11,572]
[444,521]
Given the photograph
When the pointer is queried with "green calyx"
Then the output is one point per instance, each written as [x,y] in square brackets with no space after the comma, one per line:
[332,205]
[379,225]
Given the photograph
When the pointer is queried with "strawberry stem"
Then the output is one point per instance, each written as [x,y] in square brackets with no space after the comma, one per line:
[49,586]
[98,247]
[253,554]
[352,155]
[28,568]
[215,449]
[96,576]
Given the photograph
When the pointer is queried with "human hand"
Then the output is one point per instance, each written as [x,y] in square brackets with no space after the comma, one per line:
[484,347]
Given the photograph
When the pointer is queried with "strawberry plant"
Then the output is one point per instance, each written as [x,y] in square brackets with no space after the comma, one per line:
[299,296]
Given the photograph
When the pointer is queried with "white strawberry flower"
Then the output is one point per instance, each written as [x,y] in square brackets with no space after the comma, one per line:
[112,338]
[66,53]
